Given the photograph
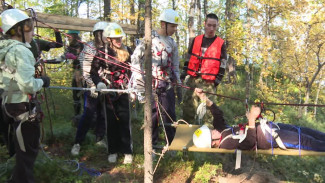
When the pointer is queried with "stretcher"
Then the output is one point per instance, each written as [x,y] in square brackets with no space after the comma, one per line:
[183,142]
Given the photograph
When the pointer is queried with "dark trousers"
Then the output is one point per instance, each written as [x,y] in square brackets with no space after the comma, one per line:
[167,100]
[309,139]
[6,133]
[23,170]
[76,95]
[92,107]
[119,124]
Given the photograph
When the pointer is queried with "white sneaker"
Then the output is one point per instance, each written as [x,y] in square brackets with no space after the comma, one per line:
[101,143]
[75,149]
[112,158]
[128,158]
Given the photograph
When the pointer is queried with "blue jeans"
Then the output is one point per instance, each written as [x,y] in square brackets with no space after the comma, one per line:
[92,106]
[309,139]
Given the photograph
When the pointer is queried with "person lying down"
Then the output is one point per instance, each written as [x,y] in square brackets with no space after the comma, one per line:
[264,134]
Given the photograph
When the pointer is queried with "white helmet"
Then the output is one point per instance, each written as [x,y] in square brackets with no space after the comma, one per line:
[100,26]
[202,137]
[170,16]
[113,30]
[11,17]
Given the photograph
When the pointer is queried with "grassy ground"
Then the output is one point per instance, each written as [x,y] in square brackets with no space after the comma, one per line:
[55,163]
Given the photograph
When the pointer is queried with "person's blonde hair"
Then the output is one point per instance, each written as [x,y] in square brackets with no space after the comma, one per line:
[122,53]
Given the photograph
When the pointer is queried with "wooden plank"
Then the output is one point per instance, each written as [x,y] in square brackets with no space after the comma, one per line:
[73,27]
[75,23]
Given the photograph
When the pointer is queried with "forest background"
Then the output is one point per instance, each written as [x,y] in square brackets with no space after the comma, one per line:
[276,54]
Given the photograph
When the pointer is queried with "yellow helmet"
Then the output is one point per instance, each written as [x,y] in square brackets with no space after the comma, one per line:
[202,137]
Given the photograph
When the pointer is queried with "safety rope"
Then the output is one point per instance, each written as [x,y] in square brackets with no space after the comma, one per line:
[91,89]
[253,103]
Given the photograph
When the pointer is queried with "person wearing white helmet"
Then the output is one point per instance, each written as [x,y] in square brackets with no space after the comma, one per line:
[20,87]
[110,69]
[262,135]
[205,67]
[165,71]
[92,104]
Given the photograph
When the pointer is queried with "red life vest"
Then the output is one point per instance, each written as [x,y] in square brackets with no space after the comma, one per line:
[207,66]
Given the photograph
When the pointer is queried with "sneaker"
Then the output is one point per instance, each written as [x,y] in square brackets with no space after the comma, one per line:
[101,143]
[75,149]
[128,158]
[112,158]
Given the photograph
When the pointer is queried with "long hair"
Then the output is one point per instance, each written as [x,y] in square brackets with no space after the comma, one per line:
[75,38]
[98,40]
[122,53]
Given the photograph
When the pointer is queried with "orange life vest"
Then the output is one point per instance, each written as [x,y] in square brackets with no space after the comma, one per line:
[207,66]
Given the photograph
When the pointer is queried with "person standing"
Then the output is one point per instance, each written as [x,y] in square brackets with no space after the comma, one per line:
[93,105]
[20,87]
[205,68]
[39,45]
[165,72]
[109,72]
[72,52]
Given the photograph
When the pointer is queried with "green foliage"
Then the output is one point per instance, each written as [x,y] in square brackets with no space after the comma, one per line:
[206,172]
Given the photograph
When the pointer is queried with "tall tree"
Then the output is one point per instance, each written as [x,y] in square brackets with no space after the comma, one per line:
[148,166]
[191,21]
[141,14]
[107,10]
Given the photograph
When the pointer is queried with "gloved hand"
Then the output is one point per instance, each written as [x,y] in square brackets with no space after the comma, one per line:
[101,86]
[93,93]
[179,94]
[217,82]
[70,56]
[46,81]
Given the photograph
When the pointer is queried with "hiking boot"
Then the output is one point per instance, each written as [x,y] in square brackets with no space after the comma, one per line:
[75,149]
[128,158]
[112,158]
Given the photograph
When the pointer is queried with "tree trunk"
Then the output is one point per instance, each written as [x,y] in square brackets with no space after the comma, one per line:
[191,21]
[148,165]
[205,9]
[132,11]
[100,9]
[140,22]
[88,11]
[199,20]
[231,63]
[107,10]
[319,87]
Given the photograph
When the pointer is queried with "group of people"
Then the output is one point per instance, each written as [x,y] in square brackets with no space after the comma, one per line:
[106,63]
[103,63]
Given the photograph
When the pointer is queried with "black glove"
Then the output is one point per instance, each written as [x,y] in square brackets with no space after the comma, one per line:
[179,94]
[46,81]
[217,82]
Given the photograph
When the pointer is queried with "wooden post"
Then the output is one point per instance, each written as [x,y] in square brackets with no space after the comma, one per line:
[148,167]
